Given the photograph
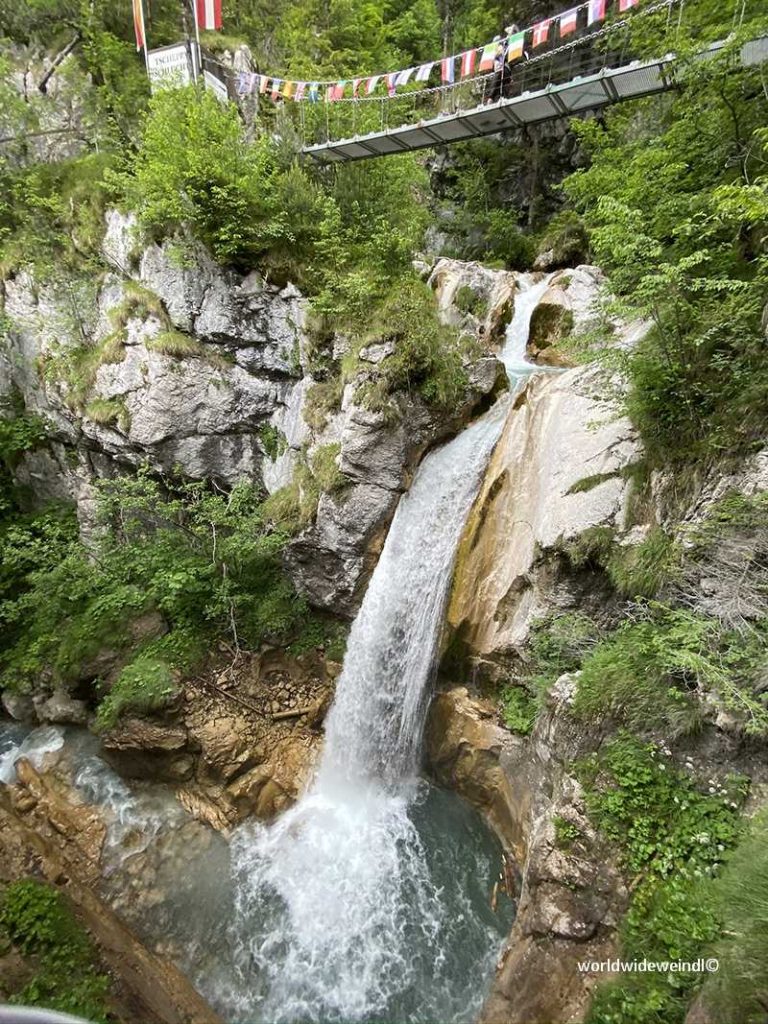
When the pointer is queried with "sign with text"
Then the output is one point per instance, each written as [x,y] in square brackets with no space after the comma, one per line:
[169,66]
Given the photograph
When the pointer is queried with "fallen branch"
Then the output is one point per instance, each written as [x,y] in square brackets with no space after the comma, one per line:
[293,713]
[57,60]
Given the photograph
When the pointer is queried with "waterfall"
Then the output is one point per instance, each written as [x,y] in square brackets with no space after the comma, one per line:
[340,913]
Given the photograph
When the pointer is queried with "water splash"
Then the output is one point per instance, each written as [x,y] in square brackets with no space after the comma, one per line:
[340,913]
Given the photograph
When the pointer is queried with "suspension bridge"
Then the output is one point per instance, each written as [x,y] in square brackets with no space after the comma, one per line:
[581,76]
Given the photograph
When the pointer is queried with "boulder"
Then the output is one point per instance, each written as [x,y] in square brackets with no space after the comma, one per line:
[61,709]
[19,706]
[225,747]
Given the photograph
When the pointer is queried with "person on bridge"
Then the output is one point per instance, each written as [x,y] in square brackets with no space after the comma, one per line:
[497,79]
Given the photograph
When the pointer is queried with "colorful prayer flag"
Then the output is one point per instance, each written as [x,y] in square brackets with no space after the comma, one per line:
[288,89]
[391,80]
[487,57]
[424,71]
[263,84]
[338,90]
[276,83]
[447,68]
[403,76]
[624,5]
[356,87]
[595,11]
[314,92]
[568,22]
[515,46]
[372,83]
[300,89]
[208,13]
[138,23]
[541,32]
[468,63]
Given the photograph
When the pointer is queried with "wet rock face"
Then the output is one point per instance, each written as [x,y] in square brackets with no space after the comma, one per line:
[559,434]
[571,894]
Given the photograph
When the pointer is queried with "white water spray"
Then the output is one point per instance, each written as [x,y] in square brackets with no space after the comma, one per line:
[340,915]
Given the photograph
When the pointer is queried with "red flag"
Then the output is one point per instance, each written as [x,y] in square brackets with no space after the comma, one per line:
[624,5]
[356,87]
[468,63]
[138,23]
[208,14]
[541,32]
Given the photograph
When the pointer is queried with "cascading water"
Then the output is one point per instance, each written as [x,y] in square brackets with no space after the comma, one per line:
[344,912]
[369,900]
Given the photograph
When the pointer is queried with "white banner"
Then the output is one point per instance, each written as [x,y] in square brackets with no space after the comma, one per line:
[169,66]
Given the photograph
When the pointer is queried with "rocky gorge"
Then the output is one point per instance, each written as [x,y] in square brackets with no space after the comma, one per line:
[383,548]
[243,738]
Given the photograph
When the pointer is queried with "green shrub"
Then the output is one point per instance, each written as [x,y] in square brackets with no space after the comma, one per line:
[428,357]
[507,242]
[144,685]
[323,400]
[740,989]
[273,441]
[559,644]
[108,412]
[657,671]
[468,300]
[519,709]
[646,568]
[566,833]
[38,921]
[566,238]
[209,562]
[673,835]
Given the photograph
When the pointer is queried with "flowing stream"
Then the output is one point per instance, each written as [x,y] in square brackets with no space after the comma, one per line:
[369,899]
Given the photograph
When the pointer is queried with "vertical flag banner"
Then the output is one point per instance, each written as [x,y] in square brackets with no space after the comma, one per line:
[515,46]
[263,84]
[300,89]
[372,83]
[468,63]
[447,65]
[356,87]
[276,83]
[595,11]
[423,73]
[402,78]
[624,5]
[138,23]
[288,90]
[541,32]
[208,14]
[487,56]
[568,22]
[338,90]
[391,80]
[314,92]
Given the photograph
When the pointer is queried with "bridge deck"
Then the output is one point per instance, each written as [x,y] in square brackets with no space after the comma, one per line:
[611,85]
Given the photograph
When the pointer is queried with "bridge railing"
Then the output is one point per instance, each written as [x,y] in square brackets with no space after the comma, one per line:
[607,45]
